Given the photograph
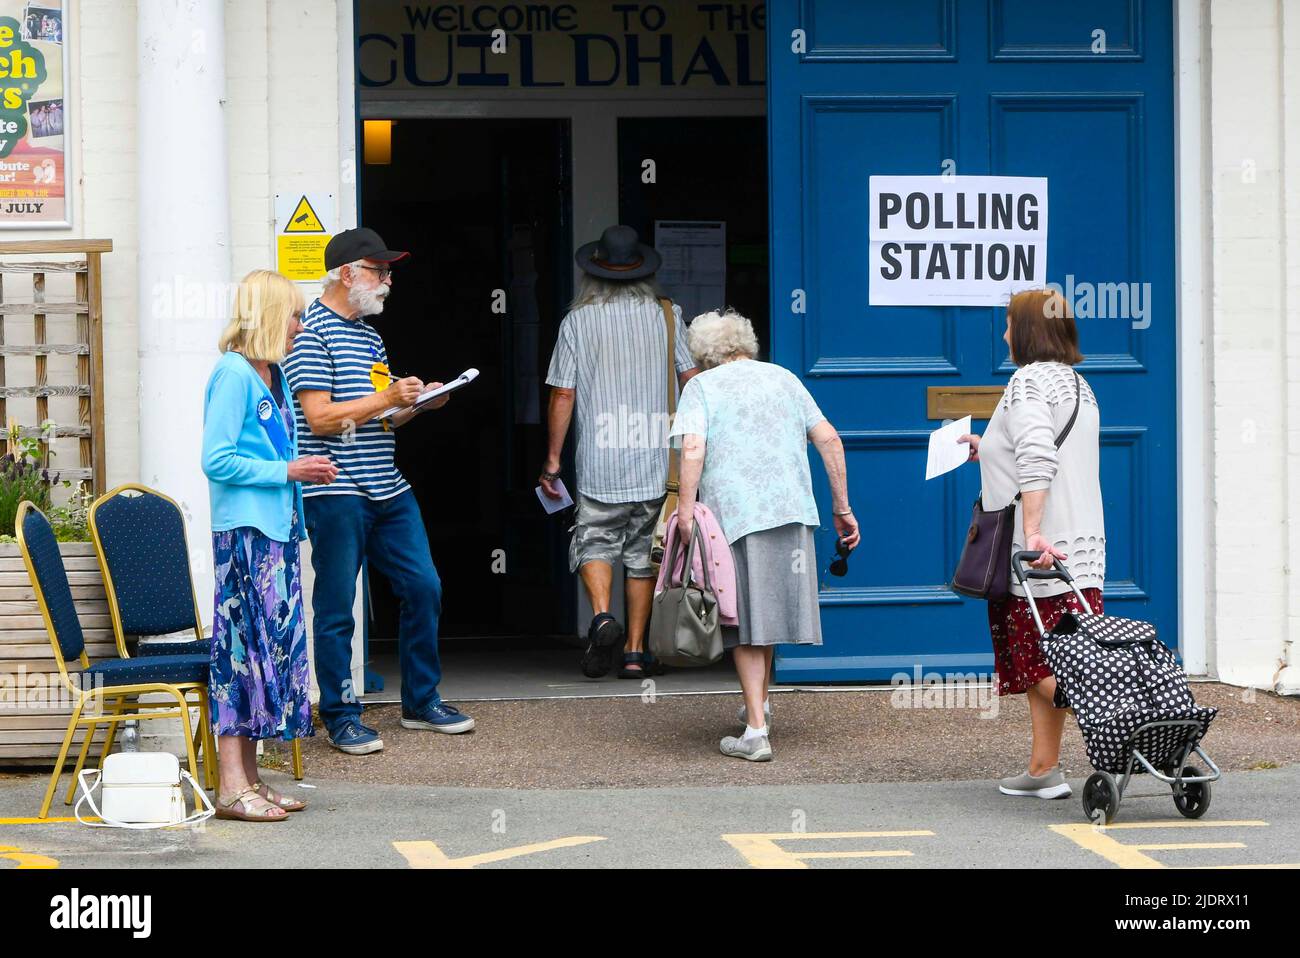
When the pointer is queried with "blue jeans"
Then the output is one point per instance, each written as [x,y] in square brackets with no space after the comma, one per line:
[390,534]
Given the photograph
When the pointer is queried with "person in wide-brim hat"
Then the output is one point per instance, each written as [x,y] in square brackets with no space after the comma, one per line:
[618,254]
[611,359]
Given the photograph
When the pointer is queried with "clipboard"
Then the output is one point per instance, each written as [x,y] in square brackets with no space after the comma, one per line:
[429,395]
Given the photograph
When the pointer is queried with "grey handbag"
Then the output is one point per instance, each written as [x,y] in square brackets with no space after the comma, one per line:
[685,623]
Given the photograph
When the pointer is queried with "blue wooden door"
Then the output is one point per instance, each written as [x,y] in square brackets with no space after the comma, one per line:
[997,87]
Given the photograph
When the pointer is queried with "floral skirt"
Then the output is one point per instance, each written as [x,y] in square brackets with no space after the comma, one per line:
[1017,657]
[258,679]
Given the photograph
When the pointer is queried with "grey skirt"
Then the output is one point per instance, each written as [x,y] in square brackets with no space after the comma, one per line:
[776,584]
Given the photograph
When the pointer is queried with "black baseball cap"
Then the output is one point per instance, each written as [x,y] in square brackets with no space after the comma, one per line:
[360,243]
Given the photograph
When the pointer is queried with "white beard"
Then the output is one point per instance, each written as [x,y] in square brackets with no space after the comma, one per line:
[367,302]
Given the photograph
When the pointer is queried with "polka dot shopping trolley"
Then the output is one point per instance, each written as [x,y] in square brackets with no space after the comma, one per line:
[1131,699]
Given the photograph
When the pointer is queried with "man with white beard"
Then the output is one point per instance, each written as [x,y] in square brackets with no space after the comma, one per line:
[338,372]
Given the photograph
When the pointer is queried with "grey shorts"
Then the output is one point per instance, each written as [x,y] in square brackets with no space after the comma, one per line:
[608,531]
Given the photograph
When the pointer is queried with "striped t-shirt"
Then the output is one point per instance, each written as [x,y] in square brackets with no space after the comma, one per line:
[336,355]
[615,356]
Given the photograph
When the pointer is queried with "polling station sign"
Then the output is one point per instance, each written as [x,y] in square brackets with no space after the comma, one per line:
[956,240]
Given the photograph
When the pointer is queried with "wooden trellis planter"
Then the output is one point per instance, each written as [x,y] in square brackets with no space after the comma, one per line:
[18,301]
[32,735]
[34,295]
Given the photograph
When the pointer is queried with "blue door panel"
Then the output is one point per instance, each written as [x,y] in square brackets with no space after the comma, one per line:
[880,29]
[1008,87]
[1025,29]
[887,134]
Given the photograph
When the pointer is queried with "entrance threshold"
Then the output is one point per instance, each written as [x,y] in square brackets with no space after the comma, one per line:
[495,670]
[482,670]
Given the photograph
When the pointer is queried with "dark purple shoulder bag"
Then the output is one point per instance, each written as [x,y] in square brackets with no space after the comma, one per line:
[984,569]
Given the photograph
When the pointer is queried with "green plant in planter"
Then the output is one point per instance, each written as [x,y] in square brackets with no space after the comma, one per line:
[70,521]
[23,477]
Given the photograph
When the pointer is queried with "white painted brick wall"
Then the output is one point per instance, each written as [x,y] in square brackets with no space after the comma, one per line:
[1255,384]
[1290,33]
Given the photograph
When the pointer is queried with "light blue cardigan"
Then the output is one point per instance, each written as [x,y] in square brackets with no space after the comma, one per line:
[248,480]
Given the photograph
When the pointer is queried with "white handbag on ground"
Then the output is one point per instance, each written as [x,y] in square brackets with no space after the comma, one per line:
[140,790]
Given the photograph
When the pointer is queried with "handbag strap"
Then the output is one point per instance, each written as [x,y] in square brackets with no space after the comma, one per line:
[688,572]
[688,565]
[1078,397]
[674,459]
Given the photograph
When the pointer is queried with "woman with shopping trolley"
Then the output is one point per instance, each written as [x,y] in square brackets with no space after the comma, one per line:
[1040,451]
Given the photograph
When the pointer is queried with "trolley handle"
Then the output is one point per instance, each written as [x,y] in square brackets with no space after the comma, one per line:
[1059,571]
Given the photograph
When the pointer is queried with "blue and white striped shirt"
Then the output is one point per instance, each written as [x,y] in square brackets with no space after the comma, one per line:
[615,356]
[336,355]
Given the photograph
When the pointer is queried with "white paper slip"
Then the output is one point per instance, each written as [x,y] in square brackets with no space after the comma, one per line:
[464,379]
[553,506]
[946,453]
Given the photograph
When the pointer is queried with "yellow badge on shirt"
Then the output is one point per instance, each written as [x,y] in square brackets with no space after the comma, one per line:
[380,378]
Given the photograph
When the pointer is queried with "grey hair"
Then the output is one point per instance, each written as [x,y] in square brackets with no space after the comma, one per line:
[595,290]
[335,276]
[715,338]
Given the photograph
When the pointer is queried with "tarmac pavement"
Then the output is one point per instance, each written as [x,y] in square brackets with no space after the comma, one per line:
[861,779]
[1253,821]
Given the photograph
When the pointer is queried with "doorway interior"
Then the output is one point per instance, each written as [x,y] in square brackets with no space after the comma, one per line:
[711,168]
[484,206]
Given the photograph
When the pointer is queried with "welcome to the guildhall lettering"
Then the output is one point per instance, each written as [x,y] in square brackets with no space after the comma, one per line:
[562,45]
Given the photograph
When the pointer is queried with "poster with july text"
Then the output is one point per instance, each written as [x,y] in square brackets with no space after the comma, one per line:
[33,115]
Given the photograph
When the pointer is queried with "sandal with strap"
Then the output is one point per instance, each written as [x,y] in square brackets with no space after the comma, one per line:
[247,811]
[643,659]
[275,798]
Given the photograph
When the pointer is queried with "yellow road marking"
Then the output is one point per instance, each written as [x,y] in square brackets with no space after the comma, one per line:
[1190,823]
[426,854]
[1186,846]
[1095,839]
[761,850]
[41,821]
[27,859]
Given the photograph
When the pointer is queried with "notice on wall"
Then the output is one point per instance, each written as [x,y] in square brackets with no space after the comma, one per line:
[304,225]
[33,144]
[956,240]
[694,270]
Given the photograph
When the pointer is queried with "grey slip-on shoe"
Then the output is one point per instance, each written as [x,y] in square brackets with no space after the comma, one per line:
[1049,785]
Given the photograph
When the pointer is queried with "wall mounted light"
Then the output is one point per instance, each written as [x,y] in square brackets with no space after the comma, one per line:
[378,142]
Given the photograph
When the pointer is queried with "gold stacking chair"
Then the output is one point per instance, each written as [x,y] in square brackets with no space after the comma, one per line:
[123,680]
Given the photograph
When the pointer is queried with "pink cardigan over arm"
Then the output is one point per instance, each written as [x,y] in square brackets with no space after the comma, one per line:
[717,553]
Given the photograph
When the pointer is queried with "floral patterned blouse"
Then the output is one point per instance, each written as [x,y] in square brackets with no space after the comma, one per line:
[755,418]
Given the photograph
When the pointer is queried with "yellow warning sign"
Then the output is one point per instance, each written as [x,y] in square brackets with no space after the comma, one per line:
[301,258]
[303,219]
[302,231]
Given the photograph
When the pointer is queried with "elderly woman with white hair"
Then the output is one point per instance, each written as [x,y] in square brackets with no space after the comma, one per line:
[744,428]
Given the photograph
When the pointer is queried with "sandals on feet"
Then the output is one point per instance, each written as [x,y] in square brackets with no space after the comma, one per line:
[643,659]
[275,798]
[240,807]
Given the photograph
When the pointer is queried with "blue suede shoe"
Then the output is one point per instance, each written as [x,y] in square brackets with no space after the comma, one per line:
[355,739]
[438,717]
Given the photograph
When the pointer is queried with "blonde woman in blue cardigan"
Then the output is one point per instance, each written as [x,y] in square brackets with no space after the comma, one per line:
[258,679]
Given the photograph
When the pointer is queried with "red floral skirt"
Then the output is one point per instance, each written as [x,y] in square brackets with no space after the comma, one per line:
[1016,654]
